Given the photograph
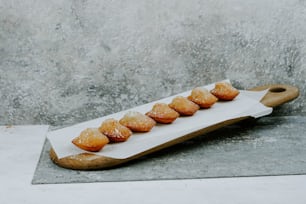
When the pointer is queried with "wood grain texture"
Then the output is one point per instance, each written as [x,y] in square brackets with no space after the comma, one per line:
[278,94]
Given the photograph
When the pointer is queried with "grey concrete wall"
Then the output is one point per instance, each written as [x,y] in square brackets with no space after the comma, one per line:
[64,61]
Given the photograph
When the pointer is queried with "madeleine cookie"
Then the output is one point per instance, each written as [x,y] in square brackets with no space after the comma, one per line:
[115,131]
[202,97]
[224,91]
[184,106]
[137,122]
[162,113]
[91,139]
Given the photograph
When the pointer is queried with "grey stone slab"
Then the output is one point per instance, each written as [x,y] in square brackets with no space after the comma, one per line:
[268,146]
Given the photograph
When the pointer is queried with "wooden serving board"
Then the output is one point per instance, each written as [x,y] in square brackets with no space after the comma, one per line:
[278,94]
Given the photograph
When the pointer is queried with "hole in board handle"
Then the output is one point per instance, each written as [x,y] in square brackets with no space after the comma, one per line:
[277,90]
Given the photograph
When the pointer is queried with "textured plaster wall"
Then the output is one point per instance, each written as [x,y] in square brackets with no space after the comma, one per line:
[63,61]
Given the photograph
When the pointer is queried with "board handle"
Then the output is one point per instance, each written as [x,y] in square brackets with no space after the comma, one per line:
[277,94]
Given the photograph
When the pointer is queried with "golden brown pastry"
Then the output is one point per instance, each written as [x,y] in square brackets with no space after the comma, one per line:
[162,113]
[224,91]
[184,106]
[115,131]
[202,97]
[137,122]
[91,139]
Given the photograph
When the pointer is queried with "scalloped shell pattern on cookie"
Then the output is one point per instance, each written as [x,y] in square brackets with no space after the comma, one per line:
[224,91]
[137,122]
[184,106]
[91,139]
[202,97]
[114,130]
[162,113]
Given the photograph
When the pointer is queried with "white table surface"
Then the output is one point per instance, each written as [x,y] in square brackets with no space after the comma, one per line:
[20,148]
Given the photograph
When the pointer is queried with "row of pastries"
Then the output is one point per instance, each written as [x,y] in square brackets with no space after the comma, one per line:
[112,131]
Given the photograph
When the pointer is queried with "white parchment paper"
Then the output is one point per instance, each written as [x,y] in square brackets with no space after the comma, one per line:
[245,104]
